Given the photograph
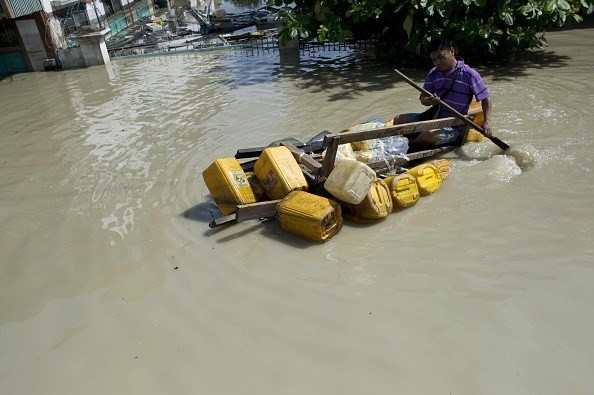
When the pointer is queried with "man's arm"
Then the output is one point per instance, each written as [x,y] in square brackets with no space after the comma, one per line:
[429,100]
[486,105]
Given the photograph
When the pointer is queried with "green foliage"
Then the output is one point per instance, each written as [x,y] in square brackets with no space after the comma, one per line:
[487,29]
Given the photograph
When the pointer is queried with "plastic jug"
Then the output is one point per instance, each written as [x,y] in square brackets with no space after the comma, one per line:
[350,181]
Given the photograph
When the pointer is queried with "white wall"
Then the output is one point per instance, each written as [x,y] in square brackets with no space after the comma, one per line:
[56,33]
[46,5]
[93,15]
[71,58]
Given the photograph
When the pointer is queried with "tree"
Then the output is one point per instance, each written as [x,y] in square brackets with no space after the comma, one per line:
[489,29]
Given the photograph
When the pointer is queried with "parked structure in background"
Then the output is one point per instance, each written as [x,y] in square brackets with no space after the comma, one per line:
[37,35]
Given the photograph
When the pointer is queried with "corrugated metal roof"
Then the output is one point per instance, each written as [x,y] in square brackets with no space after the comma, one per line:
[24,7]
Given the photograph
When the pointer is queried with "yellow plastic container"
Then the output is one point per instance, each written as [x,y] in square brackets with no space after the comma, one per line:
[443,167]
[228,184]
[377,204]
[311,216]
[475,109]
[428,179]
[474,136]
[403,190]
[350,181]
[279,173]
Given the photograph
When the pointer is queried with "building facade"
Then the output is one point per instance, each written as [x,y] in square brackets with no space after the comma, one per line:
[35,32]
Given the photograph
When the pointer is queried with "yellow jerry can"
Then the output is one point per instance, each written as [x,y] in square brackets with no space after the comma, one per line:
[443,167]
[377,204]
[475,110]
[279,173]
[311,216]
[428,180]
[403,190]
[228,184]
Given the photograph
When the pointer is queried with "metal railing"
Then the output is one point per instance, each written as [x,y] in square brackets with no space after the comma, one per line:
[75,20]
[211,42]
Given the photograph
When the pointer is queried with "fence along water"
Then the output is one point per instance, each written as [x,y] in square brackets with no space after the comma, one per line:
[216,42]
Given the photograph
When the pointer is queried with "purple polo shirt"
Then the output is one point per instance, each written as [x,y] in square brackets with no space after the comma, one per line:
[468,83]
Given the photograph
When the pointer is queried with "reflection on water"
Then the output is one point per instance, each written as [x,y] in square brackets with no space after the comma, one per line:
[105,213]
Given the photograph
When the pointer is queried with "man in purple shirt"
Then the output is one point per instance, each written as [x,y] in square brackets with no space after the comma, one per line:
[454,82]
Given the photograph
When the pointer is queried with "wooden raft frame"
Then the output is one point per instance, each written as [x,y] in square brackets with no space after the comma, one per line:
[332,141]
[317,172]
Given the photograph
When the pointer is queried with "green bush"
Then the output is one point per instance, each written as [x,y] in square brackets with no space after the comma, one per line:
[489,29]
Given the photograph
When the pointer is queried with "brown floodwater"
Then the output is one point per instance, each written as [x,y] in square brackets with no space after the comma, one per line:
[112,282]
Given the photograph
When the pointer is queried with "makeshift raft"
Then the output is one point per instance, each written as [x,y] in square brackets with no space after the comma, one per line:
[291,180]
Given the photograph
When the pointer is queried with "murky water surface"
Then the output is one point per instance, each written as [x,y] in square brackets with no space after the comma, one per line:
[112,282]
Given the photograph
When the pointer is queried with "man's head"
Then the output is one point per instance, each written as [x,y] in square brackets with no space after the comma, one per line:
[442,54]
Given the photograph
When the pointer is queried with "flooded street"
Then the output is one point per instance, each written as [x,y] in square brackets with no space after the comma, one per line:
[112,282]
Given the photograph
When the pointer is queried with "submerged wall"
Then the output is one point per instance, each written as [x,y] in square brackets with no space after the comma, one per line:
[92,51]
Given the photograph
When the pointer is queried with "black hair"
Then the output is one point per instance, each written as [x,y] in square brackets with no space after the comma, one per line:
[439,44]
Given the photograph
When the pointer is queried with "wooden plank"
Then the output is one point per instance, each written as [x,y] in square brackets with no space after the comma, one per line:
[303,158]
[222,221]
[385,165]
[248,165]
[255,152]
[331,144]
[332,141]
[249,152]
[246,212]
[401,130]
[463,134]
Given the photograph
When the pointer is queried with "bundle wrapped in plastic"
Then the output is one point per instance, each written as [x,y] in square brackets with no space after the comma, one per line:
[369,156]
[373,150]
[386,149]
[345,151]
[371,124]
[366,145]
[393,145]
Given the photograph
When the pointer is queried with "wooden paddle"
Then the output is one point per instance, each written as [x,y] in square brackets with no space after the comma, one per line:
[494,139]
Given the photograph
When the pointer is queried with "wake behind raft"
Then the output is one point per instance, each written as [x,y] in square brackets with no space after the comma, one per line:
[362,174]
